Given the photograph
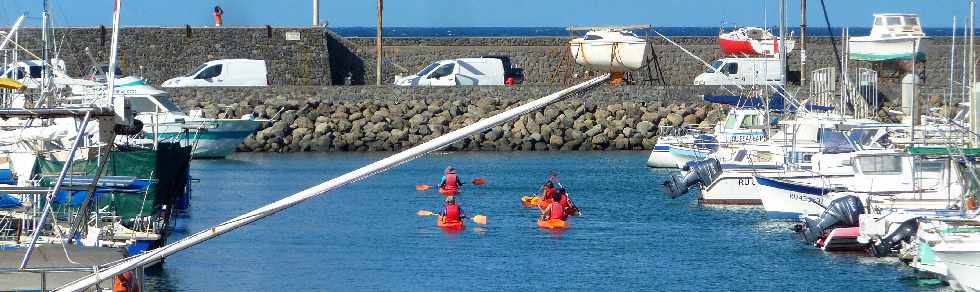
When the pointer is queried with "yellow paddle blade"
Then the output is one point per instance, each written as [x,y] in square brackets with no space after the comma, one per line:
[424,213]
[480,219]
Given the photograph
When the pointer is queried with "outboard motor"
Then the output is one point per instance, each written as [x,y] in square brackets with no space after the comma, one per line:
[885,245]
[701,172]
[841,212]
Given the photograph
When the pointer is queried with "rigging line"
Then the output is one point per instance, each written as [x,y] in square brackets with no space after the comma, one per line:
[833,41]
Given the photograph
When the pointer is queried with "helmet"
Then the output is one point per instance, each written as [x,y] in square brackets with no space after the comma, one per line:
[450,169]
[451,200]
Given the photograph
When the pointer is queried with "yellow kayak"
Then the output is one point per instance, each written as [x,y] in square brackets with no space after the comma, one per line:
[533,202]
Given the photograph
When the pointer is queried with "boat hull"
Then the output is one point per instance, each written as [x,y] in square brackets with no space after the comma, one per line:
[682,155]
[736,186]
[788,200]
[886,50]
[660,157]
[963,265]
[611,56]
[216,138]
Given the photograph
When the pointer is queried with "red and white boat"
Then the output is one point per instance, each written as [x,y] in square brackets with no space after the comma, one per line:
[750,42]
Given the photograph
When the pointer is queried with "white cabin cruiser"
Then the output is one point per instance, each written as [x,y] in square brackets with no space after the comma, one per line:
[894,37]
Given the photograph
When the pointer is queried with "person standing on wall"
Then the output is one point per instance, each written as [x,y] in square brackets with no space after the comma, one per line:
[217,15]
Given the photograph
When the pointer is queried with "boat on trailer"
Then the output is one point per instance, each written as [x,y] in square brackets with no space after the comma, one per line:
[751,42]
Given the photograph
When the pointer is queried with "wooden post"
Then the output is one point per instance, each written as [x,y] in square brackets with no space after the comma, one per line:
[378,48]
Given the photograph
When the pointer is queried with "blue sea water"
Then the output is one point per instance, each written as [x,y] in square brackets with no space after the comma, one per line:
[366,237]
[561,32]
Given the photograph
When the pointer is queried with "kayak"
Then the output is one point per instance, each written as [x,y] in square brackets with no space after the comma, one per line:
[444,192]
[553,223]
[531,201]
[449,226]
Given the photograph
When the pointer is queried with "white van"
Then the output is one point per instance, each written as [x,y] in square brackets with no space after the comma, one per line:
[741,71]
[465,71]
[226,72]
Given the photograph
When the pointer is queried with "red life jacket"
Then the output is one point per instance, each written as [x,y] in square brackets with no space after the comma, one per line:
[557,212]
[452,213]
[452,183]
[549,192]
[564,202]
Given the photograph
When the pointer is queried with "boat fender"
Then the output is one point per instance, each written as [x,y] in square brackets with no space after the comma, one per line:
[124,130]
[841,212]
[885,245]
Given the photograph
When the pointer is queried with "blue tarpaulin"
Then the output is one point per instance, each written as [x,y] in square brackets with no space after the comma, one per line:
[776,103]
[7,177]
[9,202]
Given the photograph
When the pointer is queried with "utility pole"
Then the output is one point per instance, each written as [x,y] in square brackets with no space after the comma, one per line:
[378,48]
[803,43]
[316,13]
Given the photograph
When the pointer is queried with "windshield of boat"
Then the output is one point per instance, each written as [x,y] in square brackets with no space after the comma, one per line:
[427,69]
[592,37]
[145,104]
[730,122]
[167,103]
[893,20]
[194,72]
[714,66]
[832,141]
[862,137]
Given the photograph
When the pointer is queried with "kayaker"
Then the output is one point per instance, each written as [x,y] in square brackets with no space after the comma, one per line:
[554,210]
[566,203]
[547,191]
[450,183]
[452,213]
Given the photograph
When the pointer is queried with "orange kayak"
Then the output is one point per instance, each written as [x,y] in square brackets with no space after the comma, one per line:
[450,225]
[553,224]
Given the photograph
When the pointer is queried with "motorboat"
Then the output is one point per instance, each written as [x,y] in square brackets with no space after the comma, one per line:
[751,42]
[959,249]
[611,50]
[894,37]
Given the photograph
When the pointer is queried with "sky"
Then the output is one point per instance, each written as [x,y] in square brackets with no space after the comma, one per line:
[477,13]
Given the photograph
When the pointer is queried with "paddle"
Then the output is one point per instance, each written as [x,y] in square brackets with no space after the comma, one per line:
[476,182]
[478,219]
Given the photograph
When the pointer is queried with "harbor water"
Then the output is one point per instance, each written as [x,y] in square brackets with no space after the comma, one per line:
[366,236]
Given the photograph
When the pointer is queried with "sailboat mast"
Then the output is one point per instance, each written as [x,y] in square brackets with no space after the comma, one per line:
[782,41]
[803,43]
[972,77]
[44,52]
[118,106]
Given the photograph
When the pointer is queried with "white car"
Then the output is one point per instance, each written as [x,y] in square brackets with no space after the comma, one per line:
[453,72]
[226,72]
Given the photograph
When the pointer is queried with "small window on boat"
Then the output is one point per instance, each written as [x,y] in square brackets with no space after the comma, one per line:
[592,37]
[35,71]
[880,164]
[878,21]
[911,21]
[752,122]
[930,165]
[894,20]
[142,104]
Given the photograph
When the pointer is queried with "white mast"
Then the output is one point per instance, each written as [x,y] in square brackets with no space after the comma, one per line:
[972,75]
[118,106]
[783,66]
[44,51]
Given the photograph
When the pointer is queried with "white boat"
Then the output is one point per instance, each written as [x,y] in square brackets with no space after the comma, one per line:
[611,50]
[960,253]
[894,37]
[162,120]
[660,156]
[751,41]
[885,179]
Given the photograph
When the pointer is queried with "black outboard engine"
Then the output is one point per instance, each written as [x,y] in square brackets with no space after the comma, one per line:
[701,172]
[885,245]
[841,212]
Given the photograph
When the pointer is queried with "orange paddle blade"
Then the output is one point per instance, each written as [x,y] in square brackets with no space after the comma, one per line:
[479,181]
[424,213]
[480,219]
[422,187]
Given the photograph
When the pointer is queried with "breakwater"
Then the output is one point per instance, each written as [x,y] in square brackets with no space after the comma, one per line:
[371,118]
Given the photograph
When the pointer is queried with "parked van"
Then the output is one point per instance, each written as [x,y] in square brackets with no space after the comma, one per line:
[741,71]
[226,72]
[465,71]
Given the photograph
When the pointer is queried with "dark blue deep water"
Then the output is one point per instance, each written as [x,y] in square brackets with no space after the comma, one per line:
[366,237]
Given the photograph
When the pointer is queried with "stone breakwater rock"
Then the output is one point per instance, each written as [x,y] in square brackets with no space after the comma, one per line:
[375,125]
